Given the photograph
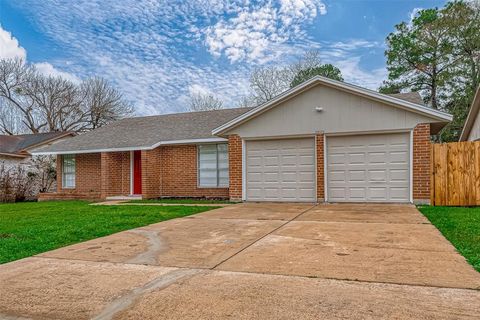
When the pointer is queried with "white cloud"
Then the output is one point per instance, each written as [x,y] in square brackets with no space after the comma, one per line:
[412,14]
[156,54]
[347,56]
[9,46]
[49,70]
[254,32]
[354,73]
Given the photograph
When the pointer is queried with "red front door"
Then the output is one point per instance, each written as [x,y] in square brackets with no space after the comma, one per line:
[137,172]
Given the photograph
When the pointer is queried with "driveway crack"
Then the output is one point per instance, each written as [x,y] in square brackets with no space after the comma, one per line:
[265,235]
[155,247]
[123,302]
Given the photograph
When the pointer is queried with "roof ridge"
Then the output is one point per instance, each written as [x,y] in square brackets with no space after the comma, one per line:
[186,112]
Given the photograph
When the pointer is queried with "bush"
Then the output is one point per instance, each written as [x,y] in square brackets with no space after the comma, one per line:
[15,184]
[24,182]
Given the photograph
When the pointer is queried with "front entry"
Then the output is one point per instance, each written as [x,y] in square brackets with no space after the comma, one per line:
[137,172]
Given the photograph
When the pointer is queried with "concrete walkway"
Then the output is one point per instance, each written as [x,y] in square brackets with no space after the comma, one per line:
[127,203]
[244,261]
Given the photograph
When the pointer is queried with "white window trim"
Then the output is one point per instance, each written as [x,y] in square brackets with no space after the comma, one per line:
[218,185]
[64,186]
[131,173]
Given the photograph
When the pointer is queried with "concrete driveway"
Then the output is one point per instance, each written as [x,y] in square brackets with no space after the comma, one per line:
[265,261]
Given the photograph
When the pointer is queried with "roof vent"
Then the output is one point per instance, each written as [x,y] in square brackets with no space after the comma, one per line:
[318,109]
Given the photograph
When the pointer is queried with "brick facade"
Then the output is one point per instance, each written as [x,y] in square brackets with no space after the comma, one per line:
[421,163]
[235,167]
[115,173]
[151,180]
[167,171]
[171,171]
[319,144]
[87,180]
[179,174]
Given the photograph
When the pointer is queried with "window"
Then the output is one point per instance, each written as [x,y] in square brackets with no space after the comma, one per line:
[213,165]
[68,171]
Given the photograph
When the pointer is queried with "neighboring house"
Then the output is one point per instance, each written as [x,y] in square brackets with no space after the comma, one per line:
[15,150]
[323,140]
[471,128]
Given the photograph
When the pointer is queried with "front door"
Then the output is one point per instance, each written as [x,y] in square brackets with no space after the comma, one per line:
[137,172]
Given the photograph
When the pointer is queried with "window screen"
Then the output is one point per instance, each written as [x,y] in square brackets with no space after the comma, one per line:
[213,165]
[68,171]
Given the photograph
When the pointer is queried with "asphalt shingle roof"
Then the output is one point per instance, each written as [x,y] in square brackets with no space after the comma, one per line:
[17,144]
[413,97]
[144,132]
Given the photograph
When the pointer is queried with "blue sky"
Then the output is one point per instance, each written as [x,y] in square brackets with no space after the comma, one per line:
[157,52]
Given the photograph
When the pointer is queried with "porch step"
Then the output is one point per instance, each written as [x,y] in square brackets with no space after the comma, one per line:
[118,198]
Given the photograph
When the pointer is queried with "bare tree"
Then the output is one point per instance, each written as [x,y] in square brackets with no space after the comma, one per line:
[104,103]
[47,103]
[56,104]
[310,60]
[268,82]
[10,120]
[204,102]
[14,77]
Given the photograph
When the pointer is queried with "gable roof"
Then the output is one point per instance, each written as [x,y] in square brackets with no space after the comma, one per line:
[393,100]
[145,133]
[472,116]
[19,145]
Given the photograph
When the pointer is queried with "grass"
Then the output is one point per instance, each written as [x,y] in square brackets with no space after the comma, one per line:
[182,201]
[30,228]
[461,226]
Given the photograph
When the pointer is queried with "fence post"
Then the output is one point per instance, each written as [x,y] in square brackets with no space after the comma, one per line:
[432,174]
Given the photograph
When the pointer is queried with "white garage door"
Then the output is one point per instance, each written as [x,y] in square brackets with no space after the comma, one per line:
[368,168]
[280,170]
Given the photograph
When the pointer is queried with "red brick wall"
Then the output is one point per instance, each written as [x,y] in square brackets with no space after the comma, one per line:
[87,181]
[235,166]
[421,163]
[179,174]
[151,167]
[319,139]
[86,167]
[115,173]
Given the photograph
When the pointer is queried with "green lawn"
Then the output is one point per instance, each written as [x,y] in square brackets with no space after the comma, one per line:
[461,226]
[33,227]
[182,201]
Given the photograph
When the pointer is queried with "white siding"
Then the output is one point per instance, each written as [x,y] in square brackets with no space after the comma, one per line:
[342,112]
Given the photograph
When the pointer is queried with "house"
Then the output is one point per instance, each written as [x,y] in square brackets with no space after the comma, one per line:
[16,150]
[323,140]
[471,128]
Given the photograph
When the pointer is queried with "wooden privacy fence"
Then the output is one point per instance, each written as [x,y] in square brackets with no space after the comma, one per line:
[456,174]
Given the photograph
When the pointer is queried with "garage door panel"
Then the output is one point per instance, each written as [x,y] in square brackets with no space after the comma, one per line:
[291,177]
[357,175]
[398,175]
[379,175]
[372,168]
[399,157]
[338,176]
[356,157]
[378,193]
